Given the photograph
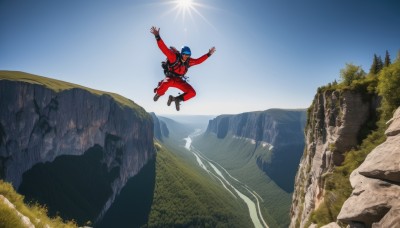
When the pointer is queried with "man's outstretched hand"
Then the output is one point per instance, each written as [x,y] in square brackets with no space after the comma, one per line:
[211,51]
[155,31]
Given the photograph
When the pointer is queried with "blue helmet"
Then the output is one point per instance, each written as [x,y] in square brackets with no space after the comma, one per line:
[186,51]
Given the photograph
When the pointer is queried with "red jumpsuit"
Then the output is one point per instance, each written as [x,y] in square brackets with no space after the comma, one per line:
[177,82]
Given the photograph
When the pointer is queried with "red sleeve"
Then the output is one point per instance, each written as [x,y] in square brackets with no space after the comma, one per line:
[167,52]
[193,62]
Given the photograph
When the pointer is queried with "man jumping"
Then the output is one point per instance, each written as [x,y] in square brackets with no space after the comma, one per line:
[175,69]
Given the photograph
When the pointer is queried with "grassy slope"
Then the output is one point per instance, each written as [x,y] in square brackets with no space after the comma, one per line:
[185,197]
[58,86]
[36,213]
[237,156]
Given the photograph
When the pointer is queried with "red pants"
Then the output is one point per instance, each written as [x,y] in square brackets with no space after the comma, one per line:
[177,82]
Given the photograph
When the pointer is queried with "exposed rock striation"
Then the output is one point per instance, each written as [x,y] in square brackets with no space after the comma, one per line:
[266,126]
[335,120]
[38,124]
[375,200]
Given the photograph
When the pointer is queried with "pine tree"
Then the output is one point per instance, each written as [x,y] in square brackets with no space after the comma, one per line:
[398,55]
[377,65]
[387,59]
[380,63]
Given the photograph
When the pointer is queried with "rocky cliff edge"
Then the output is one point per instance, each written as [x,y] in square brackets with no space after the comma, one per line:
[375,200]
[42,118]
[334,122]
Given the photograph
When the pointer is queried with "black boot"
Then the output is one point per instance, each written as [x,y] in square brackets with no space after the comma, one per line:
[156,96]
[170,99]
[177,101]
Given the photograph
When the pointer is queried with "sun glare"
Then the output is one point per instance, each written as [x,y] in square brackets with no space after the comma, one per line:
[185,4]
[184,9]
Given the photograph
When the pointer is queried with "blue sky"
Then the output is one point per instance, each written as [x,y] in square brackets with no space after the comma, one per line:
[270,53]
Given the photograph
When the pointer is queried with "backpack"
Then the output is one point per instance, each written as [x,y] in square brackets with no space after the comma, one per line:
[170,67]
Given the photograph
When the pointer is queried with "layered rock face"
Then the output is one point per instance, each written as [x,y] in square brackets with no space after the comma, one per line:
[375,200]
[334,122]
[281,130]
[271,126]
[38,124]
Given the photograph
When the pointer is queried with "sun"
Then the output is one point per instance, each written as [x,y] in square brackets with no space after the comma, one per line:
[184,9]
[185,4]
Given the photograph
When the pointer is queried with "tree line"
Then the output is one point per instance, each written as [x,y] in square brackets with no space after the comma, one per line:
[383,79]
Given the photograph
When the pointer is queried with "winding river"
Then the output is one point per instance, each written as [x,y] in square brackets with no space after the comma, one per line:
[219,173]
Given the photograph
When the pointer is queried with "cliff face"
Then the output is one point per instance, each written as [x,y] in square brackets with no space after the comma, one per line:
[160,128]
[39,124]
[376,184]
[333,127]
[281,130]
[269,126]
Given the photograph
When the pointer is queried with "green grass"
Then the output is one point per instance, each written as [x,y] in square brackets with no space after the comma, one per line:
[35,212]
[59,86]
[183,197]
[9,218]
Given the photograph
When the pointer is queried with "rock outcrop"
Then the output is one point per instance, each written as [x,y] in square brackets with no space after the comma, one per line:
[375,200]
[39,123]
[335,120]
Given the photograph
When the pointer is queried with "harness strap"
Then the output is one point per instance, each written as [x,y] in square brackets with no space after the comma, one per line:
[171,67]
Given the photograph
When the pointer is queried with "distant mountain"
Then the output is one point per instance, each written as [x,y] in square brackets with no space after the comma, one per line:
[193,121]
[179,128]
[281,130]
[67,146]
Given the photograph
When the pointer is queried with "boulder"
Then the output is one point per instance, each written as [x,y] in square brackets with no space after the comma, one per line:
[370,200]
[394,128]
[331,225]
[391,219]
[375,199]
[381,163]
